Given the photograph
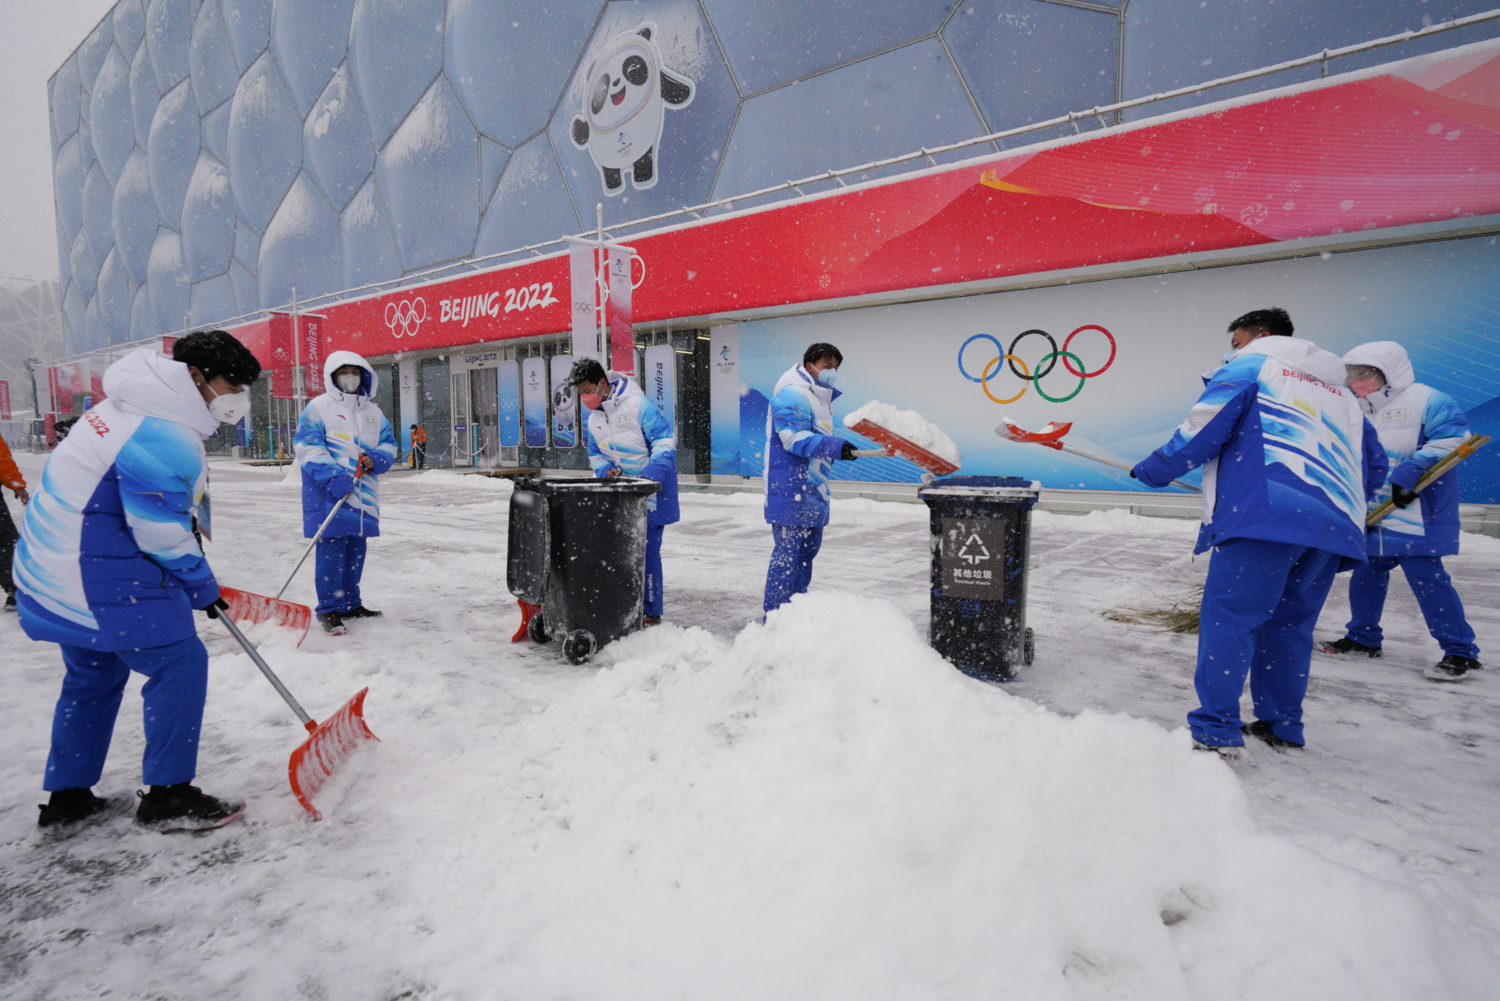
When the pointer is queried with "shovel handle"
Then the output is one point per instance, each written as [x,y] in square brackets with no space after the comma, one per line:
[868,453]
[265,669]
[1453,458]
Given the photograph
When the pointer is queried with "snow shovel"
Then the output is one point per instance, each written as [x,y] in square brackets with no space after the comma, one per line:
[902,449]
[321,529]
[1440,467]
[257,608]
[330,743]
[1051,437]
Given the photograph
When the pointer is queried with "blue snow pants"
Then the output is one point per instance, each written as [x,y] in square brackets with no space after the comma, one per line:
[791,562]
[84,721]
[653,569]
[1260,604]
[340,564]
[1435,593]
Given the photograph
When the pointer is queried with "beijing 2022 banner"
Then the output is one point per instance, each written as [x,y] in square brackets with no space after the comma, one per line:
[1124,360]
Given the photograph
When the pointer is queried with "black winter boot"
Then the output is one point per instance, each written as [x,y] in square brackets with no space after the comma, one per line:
[1453,668]
[1346,645]
[183,807]
[69,811]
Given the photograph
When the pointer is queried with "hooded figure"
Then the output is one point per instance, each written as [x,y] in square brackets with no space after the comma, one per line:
[1289,463]
[1418,426]
[109,568]
[341,433]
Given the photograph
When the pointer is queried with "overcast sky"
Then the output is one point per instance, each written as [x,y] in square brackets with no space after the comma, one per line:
[38,36]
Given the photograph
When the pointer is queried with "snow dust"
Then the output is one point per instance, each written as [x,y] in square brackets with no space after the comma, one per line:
[819,807]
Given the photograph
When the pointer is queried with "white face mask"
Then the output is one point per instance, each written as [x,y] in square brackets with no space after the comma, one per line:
[229,408]
[348,382]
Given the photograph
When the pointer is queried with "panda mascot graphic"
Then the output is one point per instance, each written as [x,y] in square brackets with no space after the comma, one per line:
[625,94]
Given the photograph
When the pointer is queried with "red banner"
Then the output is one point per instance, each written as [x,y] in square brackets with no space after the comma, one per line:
[4,400]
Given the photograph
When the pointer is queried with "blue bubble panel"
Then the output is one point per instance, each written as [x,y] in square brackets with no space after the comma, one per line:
[310,38]
[335,142]
[75,311]
[265,142]
[492,160]
[208,220]
[169,35]
[111,114]
[365,231]
[65,101]
[395,50]
[1027,62]
[144,96]
[84,265]
[244,287]
[249,25]
[771,42]
[429,172]
[300,248]
[505,78]
[141,323]
[211,59]
[212,303]
[129,26]
[216,131]
[167,282]
[531,204]
[93,52]
[98,208]
[86,145]
[172,150]
[68,176]
[134,216]
[113,296]
[64,256]
[246,244]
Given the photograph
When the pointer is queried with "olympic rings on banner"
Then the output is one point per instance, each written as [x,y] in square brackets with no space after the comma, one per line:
[1043,367]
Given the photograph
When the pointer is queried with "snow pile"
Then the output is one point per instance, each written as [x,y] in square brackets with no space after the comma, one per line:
[908,424]
[826,809]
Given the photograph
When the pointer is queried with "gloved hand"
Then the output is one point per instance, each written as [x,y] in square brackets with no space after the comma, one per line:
[212,611]
[341,485]
[1133,476]
[1402,497]
[847,451]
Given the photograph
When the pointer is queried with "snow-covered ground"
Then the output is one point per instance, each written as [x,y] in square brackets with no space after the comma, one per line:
[815,808]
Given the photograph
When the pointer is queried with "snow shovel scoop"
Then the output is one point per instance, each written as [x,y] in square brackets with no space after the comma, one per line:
[330,743]
[1447,462]
[1051,437]
[897,446]
[253,609]
[321,529]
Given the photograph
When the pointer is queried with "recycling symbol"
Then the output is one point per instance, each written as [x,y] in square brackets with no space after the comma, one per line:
[978,554]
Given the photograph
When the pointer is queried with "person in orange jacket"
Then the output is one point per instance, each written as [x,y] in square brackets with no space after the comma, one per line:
[10,477]
[418,446]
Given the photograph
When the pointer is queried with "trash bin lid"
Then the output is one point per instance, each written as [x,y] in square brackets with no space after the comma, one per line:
[629,485]
[992,487]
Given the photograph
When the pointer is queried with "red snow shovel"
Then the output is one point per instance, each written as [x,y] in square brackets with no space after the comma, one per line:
[257,608]
[902,449]
[1051,437]
[331,742]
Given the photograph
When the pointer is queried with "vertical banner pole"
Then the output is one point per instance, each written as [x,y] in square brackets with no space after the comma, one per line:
[298,384]
[601,289]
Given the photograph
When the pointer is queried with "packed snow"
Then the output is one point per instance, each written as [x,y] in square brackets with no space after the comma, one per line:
[908,424]
[818,807]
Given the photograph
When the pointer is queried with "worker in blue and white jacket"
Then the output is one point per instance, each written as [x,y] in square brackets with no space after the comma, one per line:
[1289,463]
[343,443]
[800,446]
[1418,426]
[109,569]
[629,435]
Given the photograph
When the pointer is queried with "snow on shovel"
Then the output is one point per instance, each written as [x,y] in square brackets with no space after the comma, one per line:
[876,420]
[254,609]
[1051,437]
[330,743]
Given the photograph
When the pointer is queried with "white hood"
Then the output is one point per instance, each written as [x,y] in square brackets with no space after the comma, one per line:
[148,383]
[338,360]
[1390,358]
[621,388]
[1302,355]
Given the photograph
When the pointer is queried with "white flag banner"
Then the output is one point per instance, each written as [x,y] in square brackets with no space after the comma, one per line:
[585,284]
[621,324]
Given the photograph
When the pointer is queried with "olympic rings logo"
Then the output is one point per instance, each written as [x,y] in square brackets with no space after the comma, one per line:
[1043,367]
[407,314]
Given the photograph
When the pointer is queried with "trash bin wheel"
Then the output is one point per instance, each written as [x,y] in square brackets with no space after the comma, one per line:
[537,629]
[1028,647]
[579,646]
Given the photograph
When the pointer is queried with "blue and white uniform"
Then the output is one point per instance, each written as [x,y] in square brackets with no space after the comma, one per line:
[108,568]
[1418,426]
[1289,463]
[629,433]
[335,430]
[800,446]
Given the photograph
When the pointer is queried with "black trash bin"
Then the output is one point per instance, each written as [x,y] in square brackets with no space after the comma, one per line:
[981,537]
[577,547]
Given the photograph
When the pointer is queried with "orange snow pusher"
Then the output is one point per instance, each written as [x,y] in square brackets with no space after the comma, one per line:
[254,609]
[1051,436]
[897,446]
[329,744]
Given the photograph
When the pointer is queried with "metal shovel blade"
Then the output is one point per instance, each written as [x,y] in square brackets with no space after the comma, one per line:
[253,609]
[910,451]
[1048,435]
[327,749]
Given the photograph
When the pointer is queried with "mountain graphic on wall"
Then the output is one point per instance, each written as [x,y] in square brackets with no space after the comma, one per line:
[1479,481]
